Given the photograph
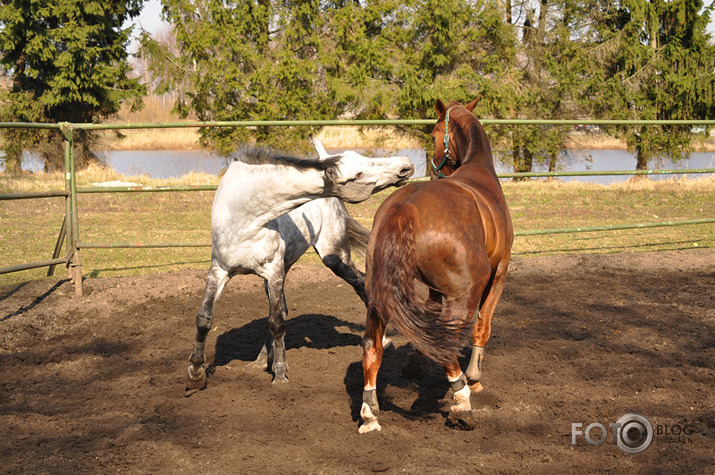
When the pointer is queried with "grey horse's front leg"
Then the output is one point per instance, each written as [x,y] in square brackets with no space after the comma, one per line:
[215,282]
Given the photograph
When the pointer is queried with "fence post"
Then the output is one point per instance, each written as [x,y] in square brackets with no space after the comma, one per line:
[75,267]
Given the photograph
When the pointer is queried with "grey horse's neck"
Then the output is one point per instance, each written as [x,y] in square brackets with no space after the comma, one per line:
[250,196]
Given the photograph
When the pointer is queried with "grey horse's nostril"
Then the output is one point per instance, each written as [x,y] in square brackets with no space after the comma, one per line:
[406,171]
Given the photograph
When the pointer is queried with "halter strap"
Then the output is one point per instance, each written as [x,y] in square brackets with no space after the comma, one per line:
[446,150]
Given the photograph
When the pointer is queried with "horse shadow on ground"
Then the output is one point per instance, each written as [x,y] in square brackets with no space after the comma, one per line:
[430,385]
[315,331]
[320,331]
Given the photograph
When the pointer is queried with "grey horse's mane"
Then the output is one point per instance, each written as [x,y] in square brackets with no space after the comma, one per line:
[256,155]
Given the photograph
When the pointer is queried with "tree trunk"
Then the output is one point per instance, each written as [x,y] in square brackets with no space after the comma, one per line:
[13,162]
[641,156]
[641,161]
[523,160]
[553,160]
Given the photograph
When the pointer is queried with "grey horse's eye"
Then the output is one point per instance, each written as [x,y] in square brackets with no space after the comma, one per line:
[358,175]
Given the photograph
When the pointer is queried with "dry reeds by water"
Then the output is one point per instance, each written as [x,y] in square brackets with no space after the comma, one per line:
[160,110]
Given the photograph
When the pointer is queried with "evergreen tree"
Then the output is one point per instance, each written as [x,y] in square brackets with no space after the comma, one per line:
[544,82]
[67,61]
[451,50]
[254,60]
[248,60]
[655,61]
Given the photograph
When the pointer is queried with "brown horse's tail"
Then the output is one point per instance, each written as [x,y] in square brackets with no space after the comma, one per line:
[392,293]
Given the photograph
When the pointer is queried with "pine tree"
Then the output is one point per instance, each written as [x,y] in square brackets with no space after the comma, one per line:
[248,60]
[67,61]
[545,80]
[654,60]
[254,60]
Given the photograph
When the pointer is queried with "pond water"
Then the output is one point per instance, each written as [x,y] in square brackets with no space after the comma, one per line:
[176,163]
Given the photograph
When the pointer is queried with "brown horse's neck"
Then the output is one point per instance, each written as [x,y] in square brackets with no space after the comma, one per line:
[472,143]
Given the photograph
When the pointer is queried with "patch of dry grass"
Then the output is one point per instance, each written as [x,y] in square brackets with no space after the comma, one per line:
[28,228]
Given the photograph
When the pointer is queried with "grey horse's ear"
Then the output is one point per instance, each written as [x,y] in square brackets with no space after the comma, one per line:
[318,146]
[331,174]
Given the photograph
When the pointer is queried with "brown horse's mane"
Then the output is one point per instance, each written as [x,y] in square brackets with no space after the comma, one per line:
[471,136]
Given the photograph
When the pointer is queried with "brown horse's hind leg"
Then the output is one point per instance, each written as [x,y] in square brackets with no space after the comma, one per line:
[482,330]
[371,361]
[461,415]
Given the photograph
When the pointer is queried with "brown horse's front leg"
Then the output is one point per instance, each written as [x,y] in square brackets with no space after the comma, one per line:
[483,328]
[461,415]
[371,360]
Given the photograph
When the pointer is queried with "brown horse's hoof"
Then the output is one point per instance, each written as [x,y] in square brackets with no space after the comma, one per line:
[196,379]
[475,387]
[462,420]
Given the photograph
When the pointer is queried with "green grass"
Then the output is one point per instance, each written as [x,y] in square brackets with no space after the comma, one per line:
[29,228]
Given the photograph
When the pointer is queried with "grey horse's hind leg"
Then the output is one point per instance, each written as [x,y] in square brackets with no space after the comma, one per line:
[277,326]
[345,269]
[215,282]
[474,370]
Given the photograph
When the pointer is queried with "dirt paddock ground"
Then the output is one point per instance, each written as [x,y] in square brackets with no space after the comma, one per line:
[96,384]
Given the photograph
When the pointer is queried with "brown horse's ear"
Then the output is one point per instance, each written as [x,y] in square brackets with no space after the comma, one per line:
[440,108]
[470,107]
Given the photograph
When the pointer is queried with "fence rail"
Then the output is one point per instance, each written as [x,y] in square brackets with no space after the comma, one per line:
[70,225]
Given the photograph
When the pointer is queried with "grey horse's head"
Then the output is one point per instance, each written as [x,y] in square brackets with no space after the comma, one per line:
[353,177]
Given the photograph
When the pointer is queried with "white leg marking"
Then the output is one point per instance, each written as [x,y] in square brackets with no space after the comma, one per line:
[369,420]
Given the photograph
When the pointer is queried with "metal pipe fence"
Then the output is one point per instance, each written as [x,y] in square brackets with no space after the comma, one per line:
[70,226]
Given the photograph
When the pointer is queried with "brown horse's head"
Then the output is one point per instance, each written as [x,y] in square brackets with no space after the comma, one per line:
[448,154]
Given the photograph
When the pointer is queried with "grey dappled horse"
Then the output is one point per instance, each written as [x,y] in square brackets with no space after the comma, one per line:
[268,210]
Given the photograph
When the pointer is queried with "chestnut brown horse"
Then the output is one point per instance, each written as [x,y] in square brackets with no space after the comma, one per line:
[452,236]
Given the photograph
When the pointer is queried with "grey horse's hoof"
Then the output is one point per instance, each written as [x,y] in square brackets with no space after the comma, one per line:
[196,379]
[475,386]
[280,369]
[462,420]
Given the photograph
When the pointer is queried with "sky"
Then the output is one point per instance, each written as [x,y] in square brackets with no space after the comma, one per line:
[149,19]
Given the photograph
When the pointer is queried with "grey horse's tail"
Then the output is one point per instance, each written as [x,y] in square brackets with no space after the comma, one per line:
[358,236]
